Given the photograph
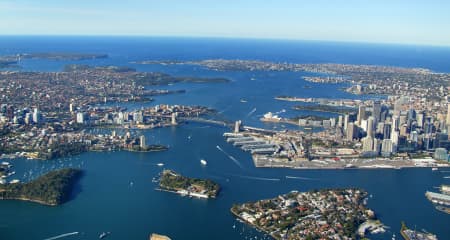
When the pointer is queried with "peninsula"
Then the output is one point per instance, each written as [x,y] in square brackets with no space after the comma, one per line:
[201,188]
[53,188]
[317,214]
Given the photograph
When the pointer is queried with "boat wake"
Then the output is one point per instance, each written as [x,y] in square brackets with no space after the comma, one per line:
[301,178]
[230,157]
[258,178]
[251,112]
[62,235]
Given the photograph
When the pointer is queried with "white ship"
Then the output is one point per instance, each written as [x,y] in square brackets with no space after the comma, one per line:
[203,162]
[160,164]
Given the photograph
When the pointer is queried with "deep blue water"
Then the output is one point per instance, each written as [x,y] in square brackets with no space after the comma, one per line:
[107,202]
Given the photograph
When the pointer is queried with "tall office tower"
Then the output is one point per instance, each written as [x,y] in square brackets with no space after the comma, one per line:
[142,143]
[395,123]
[394,137]
[447,120]
[367,144]
[351,131]
[387,147]
[361,114]
[71,107]
[340,121]
[377,145]
[174,119]
[36,115]
[376,110]
[346,121]
[387,131]
[419,119]
[237,126]
[80,118]
[370,126]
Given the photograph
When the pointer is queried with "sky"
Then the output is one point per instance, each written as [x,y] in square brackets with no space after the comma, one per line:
[425,22]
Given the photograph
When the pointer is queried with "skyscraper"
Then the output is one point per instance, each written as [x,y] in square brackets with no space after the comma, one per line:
[36,116]
[351,131]
[361,114]
[448,114]
[142,143]
[370,126]
[346,121]
[376,110]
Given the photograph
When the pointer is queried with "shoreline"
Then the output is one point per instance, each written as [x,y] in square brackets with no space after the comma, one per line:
[24,199]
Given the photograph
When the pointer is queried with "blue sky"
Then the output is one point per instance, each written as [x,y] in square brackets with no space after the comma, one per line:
[384,21]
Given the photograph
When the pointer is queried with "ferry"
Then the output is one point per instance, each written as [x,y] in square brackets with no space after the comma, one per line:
[160,164]
[203,162]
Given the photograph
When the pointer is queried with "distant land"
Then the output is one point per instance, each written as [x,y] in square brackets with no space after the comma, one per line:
[53,188]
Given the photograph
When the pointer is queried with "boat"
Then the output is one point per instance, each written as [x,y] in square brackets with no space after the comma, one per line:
[203,162]
[243,101]
[15,181]
[103,235]
[443,209]
[434,169]
[160,164]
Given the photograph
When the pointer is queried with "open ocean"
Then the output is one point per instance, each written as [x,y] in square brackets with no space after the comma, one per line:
[106,201]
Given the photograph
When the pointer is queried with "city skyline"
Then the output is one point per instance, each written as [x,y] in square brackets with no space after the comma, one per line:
[404,22]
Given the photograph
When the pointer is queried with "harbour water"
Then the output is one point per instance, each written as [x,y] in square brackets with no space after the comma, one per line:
[117,193]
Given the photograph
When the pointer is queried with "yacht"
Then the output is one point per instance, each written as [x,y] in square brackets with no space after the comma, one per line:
[203,162]
[160,164]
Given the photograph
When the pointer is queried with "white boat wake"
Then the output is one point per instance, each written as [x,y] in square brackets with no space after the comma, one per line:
[230,157]
[251,112]
[62,235]
[302,178]
[258,178]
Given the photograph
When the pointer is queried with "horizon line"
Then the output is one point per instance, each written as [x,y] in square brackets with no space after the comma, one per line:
[411,44]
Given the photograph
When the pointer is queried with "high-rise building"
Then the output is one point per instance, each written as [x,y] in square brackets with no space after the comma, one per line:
[361,114]
[340,121]
[370,126]
[387,131]
[441,154]
[376,110]
[387,147]
[351,131]
[367,144]
[419,119]
[36,115]
[377,146]
[80,117]
[142,143]
[237,126]
[394,137]
[346,121]
[71,108]
[174,119]
[447,120]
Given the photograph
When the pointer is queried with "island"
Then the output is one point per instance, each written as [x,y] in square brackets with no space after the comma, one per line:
[201,188]
[53,188]
[317,214]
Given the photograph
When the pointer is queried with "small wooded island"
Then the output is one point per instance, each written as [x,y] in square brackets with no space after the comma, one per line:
[201,188]
[53,188]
